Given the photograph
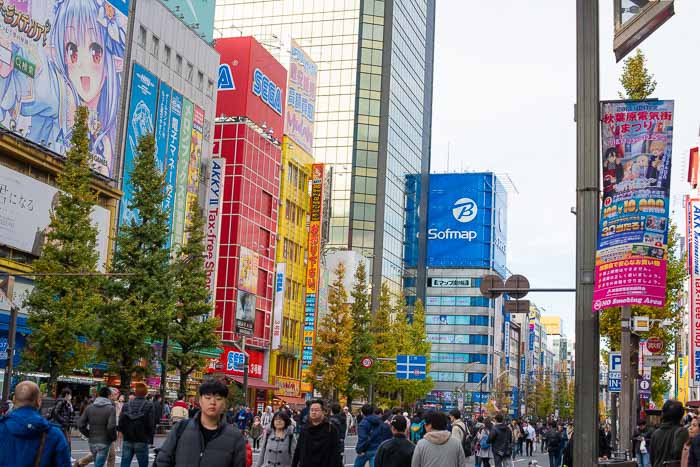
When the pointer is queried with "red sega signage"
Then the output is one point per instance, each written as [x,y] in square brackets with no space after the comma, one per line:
[251,84]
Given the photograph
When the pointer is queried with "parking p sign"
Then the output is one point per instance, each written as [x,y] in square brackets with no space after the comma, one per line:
[614,371]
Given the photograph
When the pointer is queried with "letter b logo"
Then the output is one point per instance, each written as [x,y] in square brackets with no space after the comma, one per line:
[464,210]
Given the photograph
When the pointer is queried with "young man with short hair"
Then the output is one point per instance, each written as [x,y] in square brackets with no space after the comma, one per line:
[438,448]
[318,444]
[668,439]
[501,441]
[206,439]
[398,451]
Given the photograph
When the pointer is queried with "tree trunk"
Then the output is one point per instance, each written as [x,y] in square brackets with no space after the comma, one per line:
[125,381]
[183,383]
[51,386]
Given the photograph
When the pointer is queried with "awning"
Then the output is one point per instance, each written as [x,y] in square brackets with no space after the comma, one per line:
[292,401]
[254,383]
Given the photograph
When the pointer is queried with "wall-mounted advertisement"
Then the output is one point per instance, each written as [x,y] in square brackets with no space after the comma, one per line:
[212,212]
[141,121]
[171,156]
[245,313]
[194,167]
[312,272]
[248,262]
[232,361]
[48,69]
[279,305]
[637,139]
[25,214]
[183,163]
[301,98]
[692,206]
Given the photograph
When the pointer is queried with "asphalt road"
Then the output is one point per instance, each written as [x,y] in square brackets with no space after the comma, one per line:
[80,449]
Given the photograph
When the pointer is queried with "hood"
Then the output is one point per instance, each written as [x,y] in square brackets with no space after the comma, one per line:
[438,437]
[182,404]
[102,402]
[26,422]
[135,408]
[373,420]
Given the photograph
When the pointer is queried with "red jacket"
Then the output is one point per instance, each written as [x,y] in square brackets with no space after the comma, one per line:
[248,454]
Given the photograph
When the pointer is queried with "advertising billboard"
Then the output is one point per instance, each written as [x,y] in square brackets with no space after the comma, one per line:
[171,156]
[633,233]
[183,163]
[212,213]
[252,83]
[25,214]
[312,271]
[278,306]
[194,167]
[197,14]
[47,71]
[692,207]
[231,362]
[465,211]
[245,313]
[248,262]
[140,122]
[301,98]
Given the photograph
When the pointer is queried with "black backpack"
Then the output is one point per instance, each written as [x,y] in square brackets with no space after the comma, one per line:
[133,425]
[467,441]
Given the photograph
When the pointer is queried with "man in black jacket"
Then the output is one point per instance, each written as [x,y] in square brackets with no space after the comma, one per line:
[318,442]
[340,423]
[206,439]
[136,423]
[398,451]
[554,444]
[668,440]
[501,441]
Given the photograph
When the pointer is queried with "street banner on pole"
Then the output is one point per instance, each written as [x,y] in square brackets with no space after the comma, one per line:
[692,207]
[633,234]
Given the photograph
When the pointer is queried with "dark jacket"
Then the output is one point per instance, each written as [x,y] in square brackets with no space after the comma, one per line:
[396,452]
[555,440]
[20,437]
[226,449]
[137,413]
[370,434]
[317,446]
[157,411]
[62,413]
[340,422]
[501,440]
[99,422]
[694,454]
[667,443]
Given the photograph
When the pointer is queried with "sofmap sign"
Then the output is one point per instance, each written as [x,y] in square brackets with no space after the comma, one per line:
[251,84]
[466,221]
[449,282]
[637,139]
[693,234]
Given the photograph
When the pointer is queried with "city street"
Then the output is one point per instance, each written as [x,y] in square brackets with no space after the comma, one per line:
[80,448]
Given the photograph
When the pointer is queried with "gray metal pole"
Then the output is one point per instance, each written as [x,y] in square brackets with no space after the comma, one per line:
[245,371]
[12,334]
[164,367]
[587,209]
[626,389]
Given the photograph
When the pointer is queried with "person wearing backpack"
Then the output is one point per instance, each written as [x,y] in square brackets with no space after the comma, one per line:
[98,424]
[62,413]
[279,443]
[501,441]
[417,428]
[136,423]
[461,432]
[369,436]
[483,447]
[668,439]
[438,448]
[397,451]
[554,442]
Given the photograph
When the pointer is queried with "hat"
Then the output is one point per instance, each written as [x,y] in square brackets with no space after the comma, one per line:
[140,389]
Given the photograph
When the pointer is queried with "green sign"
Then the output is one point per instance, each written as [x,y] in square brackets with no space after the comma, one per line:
[25,66]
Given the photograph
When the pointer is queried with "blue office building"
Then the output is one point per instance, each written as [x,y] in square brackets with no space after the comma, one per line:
[446,253]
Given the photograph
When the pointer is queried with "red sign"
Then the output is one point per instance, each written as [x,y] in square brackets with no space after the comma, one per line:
[655,345]
[693,168]
[251,84]
[231,361]
[367,362]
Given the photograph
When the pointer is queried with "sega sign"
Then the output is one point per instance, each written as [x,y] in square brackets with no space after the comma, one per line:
[251,84]
[466,221]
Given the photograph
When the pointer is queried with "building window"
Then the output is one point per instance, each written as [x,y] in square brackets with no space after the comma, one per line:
[142,36]
[166,59]
[178,64]
[210,88]
[155,46]
[190,72]
[200,80]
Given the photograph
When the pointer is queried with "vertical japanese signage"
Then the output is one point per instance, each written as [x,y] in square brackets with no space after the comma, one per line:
[633,234]
[693,232]
[171,156]
[301,98]
[141,119]
[312,271]
[279,303]
[195,161]
[212,212]
[182,172]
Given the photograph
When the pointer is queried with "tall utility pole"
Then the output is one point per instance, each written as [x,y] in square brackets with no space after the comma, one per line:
[587,215]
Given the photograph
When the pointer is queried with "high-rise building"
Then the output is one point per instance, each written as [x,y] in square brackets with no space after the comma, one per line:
[374,107]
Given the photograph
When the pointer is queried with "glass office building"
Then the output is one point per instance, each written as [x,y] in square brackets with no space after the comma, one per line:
[373,112]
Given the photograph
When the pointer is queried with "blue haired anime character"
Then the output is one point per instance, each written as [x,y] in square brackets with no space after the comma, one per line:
[87,38]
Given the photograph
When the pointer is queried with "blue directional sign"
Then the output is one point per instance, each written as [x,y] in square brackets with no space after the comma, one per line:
[614,372]
[411,366]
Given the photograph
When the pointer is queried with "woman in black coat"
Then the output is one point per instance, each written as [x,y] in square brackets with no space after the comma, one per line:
[397,451]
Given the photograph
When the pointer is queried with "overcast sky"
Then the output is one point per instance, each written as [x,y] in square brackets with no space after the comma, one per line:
[505,87]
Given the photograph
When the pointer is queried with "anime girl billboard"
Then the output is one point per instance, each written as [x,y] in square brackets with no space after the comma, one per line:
[56,55]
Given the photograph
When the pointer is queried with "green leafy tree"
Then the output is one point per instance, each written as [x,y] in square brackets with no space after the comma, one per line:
[636,79]
[61,308]
[332,358]
[543,396]
[413,390]
[502,392]
[140,304]
[562,396]
[672,313]
[188,328]
[362,342]
[385,346]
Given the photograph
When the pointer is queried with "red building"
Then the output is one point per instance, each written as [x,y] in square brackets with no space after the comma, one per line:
[250,105]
